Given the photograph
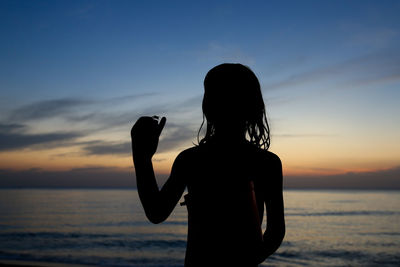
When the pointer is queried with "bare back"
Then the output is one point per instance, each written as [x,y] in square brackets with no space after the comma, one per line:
[221,222]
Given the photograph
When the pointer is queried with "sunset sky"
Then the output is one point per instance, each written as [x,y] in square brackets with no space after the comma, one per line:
[75,76]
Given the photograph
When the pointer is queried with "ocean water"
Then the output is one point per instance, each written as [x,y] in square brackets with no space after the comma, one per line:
[109,228]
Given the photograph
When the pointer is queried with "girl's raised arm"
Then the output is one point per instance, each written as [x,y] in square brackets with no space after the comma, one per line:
[157,204]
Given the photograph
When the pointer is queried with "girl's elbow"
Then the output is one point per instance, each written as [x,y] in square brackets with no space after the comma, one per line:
[155,217]
[275,235]
[155,220]
[280,237]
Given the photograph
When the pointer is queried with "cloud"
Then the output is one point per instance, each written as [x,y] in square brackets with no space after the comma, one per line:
[73,109]
[107,148]
[189,103]
[13,138]
[82,117]
[126,98]
[95,176]
[373,37]
[373,68]
[85,117]
[303,135]
[380,179]
[176,136]
[11,127]
[80,177]
[47,109]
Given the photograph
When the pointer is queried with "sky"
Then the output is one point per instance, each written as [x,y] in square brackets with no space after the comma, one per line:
[76,75]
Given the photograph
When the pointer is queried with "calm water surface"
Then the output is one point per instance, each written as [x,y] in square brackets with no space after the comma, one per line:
[108,228]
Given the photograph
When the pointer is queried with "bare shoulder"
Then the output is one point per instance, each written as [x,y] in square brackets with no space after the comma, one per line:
[272,169]
[271,158]
[188,153]
[186,156]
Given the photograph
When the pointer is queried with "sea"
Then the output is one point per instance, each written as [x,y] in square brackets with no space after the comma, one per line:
[107,227]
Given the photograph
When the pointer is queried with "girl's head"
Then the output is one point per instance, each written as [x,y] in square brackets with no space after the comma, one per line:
[233,103]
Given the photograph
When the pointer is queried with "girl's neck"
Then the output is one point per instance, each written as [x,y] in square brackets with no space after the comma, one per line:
[229,136]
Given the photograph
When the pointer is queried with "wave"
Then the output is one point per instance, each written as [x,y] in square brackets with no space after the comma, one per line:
[95,260]
[59,241]
[380,233]
[345,213]
[127,223]
[333,257]
[54,235]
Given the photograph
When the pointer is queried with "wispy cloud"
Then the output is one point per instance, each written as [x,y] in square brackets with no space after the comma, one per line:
[47,109]
[126,98]
[359,34]
[71,108]
[376,67]
[13,138]
[98,176]
[379,179]
[96,114]
[107,148]
[11,127]
[176,136]
[92,176]
[90,118]
[304,135]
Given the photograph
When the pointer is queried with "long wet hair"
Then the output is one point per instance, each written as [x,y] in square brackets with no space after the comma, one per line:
[232,95]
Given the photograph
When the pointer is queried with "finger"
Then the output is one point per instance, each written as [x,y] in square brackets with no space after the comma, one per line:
[148,121]
[162,124]
[144,122]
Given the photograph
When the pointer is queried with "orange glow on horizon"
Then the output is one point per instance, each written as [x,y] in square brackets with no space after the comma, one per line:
[62,159]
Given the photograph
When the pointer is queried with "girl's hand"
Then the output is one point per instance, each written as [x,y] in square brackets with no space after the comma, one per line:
[145,134]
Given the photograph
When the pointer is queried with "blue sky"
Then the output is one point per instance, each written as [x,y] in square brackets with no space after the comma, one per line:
[75,75]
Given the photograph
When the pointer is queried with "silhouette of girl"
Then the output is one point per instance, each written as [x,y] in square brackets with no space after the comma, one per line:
[230,175]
